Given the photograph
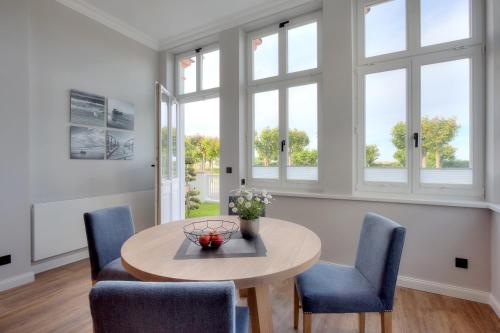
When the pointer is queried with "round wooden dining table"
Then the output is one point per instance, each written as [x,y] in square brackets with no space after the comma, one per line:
[291,249]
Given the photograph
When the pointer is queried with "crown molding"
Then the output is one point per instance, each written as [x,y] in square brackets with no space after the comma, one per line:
[231,22]
[111,22]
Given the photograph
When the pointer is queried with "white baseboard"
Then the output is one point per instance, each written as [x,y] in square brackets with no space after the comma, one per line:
[495,304]
[17,281]
[445,289]
[60,260]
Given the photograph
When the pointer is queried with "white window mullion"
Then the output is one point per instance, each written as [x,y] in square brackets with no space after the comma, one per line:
[283,134]
[413,25]
[414,126]
[282,51]
[199,70]
[283,105]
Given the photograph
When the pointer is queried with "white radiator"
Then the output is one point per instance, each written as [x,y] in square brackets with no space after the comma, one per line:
[58,226]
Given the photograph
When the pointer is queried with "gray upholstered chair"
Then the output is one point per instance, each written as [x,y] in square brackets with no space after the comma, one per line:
[369,286]
[107,229]
[169,307]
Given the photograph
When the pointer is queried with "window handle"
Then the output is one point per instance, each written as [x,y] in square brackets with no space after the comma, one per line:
[283,143]
[282,24]
[415,138]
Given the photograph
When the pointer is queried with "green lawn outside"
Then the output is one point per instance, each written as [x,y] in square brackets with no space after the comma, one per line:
[206,209]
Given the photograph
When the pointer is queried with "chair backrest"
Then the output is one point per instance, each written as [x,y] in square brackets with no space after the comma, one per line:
[379,254]
[170,307]
[107,229]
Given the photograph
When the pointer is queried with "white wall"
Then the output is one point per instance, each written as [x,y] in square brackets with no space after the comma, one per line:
[435,235]
[495,261]
[46,50]
[232,111]
[336,125]
[493,101]
[14,137]
[493,139]
[71,51]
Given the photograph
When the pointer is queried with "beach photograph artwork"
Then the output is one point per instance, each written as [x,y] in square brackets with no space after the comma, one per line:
[120,114]
[119,145]
[87,109]
[87,143]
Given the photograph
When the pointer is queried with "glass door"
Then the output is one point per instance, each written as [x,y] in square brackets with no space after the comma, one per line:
[177,161]
[169,198]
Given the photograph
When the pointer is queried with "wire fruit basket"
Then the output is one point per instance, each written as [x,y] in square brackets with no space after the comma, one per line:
[211,233]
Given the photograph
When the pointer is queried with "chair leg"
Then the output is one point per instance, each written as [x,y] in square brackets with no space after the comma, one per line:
[307,321]
[386,320]
[362,318]
[295,307]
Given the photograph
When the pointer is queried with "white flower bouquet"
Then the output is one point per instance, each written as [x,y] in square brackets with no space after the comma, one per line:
[249,203]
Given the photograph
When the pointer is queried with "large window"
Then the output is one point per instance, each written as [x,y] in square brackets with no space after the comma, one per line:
[197,87]
[420,85]
[284,79]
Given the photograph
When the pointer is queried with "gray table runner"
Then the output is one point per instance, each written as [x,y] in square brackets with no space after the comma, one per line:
[236,247]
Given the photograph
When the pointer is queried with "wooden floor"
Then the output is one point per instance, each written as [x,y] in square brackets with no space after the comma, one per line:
[58,302]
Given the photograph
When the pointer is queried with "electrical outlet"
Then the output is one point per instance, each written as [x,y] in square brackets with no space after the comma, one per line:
[462,263]
[5,260]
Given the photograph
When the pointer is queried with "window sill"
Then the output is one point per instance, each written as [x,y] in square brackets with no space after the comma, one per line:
[429,201]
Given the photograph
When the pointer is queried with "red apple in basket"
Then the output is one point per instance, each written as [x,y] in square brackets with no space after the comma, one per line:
[217,240]
[204,240]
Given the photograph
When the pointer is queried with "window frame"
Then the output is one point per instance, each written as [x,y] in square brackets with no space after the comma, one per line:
[199,93]
[251,130]
[476,119]
[283,49]
[413,58]
[282,181]
[360,123]
[282,82]
[413,32]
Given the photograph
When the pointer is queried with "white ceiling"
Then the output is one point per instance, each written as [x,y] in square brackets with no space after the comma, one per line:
[163,24]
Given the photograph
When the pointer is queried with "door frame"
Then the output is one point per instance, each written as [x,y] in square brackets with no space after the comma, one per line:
[159,91]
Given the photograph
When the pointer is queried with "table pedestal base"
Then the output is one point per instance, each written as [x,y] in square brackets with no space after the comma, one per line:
[260,309]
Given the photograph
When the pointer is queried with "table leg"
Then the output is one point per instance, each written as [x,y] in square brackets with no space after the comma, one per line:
[243,293]
[260,309]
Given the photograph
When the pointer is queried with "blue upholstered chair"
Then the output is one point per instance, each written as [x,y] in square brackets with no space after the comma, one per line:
[369,286]
[107,229]
[169,307]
